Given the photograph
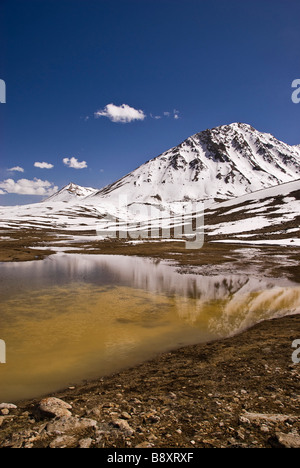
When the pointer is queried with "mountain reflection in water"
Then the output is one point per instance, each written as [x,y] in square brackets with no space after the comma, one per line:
[73,317]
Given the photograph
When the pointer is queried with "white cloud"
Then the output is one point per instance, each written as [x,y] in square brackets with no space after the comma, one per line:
[43,165]
[16,169]
[74,163]
[175,114]
[156,117]
[123,113]
[28,187]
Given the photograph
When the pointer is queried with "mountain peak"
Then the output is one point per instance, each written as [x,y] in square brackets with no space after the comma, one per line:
[72,192]
[237,125]
[218,163]
[71,187]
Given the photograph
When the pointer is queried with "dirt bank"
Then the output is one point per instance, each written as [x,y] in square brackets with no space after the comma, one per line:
[239,392]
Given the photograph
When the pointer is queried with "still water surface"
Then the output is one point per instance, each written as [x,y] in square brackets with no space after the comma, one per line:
[73,317]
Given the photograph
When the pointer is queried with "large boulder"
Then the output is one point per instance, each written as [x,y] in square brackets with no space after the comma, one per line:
[53,408]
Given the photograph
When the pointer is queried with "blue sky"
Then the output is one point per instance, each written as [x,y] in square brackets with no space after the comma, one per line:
[196,64]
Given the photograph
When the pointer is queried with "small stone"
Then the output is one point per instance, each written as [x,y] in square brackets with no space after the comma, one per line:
[8,406]
[136,401]
[123,426]
[232,441]
[144,445]
[108,405]
[5,411]
[95,412]
[258,418]
[125,415]
[85,443]
[152,418]
[288,440]
[264,428]
[64,425]
[244,420]
[63,442]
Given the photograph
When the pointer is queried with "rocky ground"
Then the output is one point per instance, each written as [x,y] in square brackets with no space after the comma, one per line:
[239,392]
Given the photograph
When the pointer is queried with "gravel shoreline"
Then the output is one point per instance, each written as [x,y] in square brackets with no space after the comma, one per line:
[238,392]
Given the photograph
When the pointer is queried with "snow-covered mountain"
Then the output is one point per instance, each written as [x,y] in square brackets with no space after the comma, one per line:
[71,193]
[221,163]
[250,183]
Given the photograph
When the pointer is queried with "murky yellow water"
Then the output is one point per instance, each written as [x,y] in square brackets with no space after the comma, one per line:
[59,335]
